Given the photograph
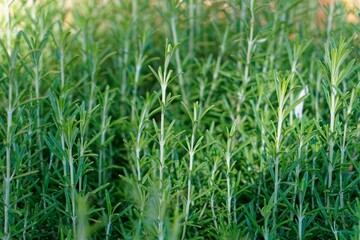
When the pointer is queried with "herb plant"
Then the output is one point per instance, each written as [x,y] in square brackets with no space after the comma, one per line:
[150,119]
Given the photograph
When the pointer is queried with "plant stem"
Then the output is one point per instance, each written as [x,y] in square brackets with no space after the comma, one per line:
[138,66]
[72,188]
[215,76]
[297,171]
[92,87]
[142,125]
[62,68]
[212,185]
[347,113]
[134,17]
[163,83]
[241,32]
[333,102]
[329,22]
[191,163]
[300,218]
[8,25]
[262,175]
[228,178]
[9,138]
[250,43]
[8,176]
[162,159]
[123,62]
[246,76]
[104,121]
[7,185]
[191,29]
[281,88]
[178,60]
[38,116]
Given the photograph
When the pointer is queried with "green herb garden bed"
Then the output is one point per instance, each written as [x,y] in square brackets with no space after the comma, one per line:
[156,119]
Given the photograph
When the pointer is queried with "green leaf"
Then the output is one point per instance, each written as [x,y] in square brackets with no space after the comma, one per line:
[293,105]
[98,189]
[25,174]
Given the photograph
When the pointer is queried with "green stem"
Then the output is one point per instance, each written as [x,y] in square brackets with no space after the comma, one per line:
[8,25]
[191,163]
[191,29]
[277,153]
[212,200]
[178,60]
[38,115]
[246,76]
[330,21]
[123,62]
[72,187]
[162,158]
[8,177]
[228,179]
[102,153]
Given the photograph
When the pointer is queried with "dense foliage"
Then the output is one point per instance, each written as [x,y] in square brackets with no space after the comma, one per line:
[157,119]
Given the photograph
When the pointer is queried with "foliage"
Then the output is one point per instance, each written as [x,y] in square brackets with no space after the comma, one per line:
[151,119]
